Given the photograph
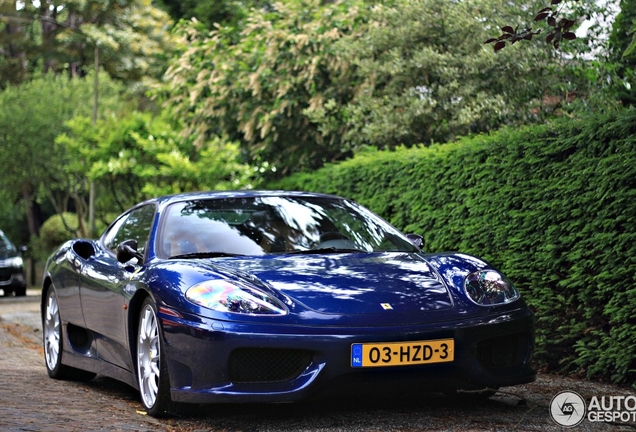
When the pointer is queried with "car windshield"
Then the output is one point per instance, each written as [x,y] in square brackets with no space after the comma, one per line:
[6,247]
[274,225]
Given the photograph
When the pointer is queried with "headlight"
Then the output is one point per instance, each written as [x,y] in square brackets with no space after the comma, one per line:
[15,262]
[488,287]
[224,296]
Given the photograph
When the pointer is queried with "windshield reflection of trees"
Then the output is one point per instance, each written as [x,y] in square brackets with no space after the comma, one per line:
[279,225]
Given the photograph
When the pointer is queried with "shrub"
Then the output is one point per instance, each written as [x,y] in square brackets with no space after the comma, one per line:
[553,206]
[54,232]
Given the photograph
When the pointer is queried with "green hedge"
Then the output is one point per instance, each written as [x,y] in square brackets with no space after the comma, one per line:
[553,206]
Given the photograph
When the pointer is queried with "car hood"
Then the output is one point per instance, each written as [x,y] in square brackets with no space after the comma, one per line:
[351,283]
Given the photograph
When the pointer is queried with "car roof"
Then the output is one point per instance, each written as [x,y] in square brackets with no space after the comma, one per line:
[168,199]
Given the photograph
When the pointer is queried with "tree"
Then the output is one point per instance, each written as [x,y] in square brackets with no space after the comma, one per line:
[53,35]
[228,13]
[16,45]
[622,52]
[427,76]
[305,83]
[138,156]
[32,114]
[256,89]
[558,27]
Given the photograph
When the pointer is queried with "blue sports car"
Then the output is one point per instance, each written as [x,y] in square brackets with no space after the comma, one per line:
[270,296]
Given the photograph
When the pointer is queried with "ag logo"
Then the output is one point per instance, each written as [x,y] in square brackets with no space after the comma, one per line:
[567,409]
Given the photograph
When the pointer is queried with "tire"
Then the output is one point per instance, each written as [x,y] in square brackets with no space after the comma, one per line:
[152,370]
[20,292]
[7,292]
[53,340]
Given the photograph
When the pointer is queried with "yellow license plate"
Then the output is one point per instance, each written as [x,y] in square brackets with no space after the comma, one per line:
[402,353]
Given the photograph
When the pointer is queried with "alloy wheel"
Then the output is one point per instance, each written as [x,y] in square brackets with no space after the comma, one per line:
[148,356]
[52,340]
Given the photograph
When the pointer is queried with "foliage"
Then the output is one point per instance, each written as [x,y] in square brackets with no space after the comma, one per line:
[306,83]
[56,230]
[559,28]
[31,116]
[47,35]
[12,217]
[133,37]
[429,78]
[257,88]
[552,205]
[140,156]
[622,56]
[228,13]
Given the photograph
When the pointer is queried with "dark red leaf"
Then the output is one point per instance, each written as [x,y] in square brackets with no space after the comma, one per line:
[552,21]
[541,16]
[508,29]
[528,36]
[567,23]
[499,45]
[556,44]
[549,38]
[555,2]
[569,36]
[505,36]
[491,40]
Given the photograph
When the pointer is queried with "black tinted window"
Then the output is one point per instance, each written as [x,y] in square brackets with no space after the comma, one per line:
[135,225]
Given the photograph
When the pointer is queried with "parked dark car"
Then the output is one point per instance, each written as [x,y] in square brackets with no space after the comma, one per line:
[12,279]
[261,296]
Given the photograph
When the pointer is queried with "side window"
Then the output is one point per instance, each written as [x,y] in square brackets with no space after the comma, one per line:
[135,225]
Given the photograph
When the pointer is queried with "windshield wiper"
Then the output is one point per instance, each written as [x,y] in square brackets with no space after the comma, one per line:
[325,250]
[206,255]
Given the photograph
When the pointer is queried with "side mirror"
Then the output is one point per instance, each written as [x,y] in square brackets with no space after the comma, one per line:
[127,250]
[23,249]
[416,239]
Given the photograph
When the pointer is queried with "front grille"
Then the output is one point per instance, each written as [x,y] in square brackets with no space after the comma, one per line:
[511,351]
[259,365]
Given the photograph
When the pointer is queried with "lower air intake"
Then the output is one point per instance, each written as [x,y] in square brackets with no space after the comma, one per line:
[266,365]
[505,352]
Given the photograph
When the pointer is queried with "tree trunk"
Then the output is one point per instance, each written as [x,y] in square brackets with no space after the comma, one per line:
[32,221]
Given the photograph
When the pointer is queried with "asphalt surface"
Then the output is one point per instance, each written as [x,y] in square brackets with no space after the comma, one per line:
[31,401]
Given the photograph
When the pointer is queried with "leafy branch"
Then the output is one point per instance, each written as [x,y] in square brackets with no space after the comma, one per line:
[558,28]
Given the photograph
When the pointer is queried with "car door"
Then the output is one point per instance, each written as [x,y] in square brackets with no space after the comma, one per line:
[102,283]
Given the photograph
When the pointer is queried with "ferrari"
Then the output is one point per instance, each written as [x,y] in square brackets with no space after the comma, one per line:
[274,296]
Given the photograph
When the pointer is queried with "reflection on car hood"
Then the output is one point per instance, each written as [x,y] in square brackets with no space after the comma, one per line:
[352,283]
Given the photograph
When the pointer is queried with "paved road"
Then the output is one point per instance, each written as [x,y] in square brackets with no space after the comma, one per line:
[31,401]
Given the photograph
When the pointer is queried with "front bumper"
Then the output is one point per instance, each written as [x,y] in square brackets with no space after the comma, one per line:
[213,361]
[12,279]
